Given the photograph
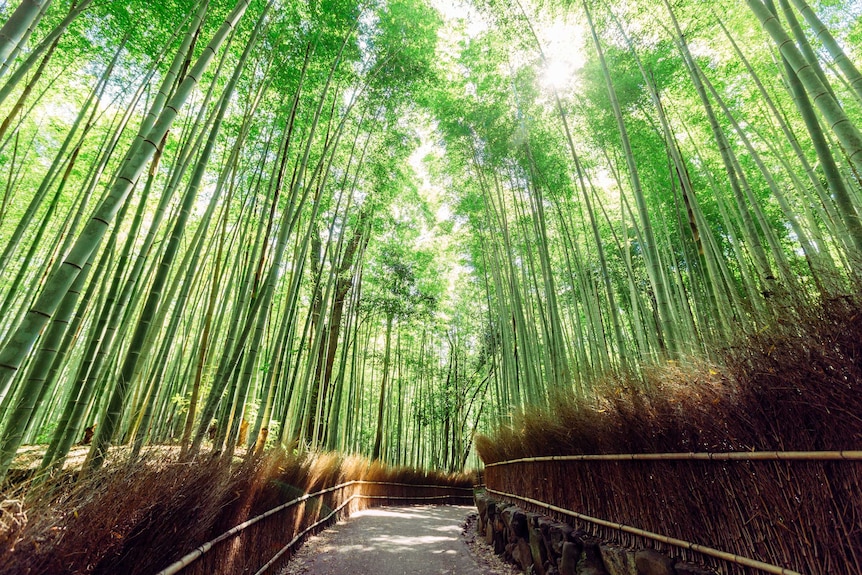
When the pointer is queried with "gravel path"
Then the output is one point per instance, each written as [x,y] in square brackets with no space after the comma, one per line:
[419,540]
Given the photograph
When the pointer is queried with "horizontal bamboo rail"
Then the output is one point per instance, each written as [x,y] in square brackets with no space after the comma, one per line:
[723,555]
[299,536]
[455,487]
[720,456]
[199,551]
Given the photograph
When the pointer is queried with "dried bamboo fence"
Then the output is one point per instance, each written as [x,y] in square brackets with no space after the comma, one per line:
[259,543]
[746,512]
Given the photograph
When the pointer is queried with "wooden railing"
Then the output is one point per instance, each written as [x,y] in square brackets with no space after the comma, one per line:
[703,549]
[461,495]
[718,456]
[632,489]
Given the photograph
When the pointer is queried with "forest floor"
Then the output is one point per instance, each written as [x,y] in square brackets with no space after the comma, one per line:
[421,540]
[29,457]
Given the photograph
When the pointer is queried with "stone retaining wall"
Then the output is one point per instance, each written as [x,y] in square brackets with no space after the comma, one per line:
[542,546]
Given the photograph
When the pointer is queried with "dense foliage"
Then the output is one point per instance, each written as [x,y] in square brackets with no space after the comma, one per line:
[378,227]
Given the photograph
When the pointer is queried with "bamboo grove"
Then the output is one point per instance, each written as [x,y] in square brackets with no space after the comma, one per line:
[377,227]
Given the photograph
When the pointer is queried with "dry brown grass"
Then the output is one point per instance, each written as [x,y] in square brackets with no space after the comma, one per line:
[139,519]
[795,387]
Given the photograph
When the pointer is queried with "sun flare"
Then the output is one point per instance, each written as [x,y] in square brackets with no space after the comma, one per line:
[562,46]
[556,75]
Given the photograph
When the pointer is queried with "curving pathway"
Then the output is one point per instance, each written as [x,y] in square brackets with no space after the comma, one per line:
[418,540]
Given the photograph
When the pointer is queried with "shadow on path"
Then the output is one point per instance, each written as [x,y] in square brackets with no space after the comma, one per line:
[420,540]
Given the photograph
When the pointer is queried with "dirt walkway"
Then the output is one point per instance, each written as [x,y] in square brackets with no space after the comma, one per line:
[423,540]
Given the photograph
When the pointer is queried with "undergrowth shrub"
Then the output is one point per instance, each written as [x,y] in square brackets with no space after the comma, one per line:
[794,387]
[137,519]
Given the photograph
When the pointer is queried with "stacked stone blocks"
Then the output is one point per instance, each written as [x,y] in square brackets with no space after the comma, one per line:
[542,546]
